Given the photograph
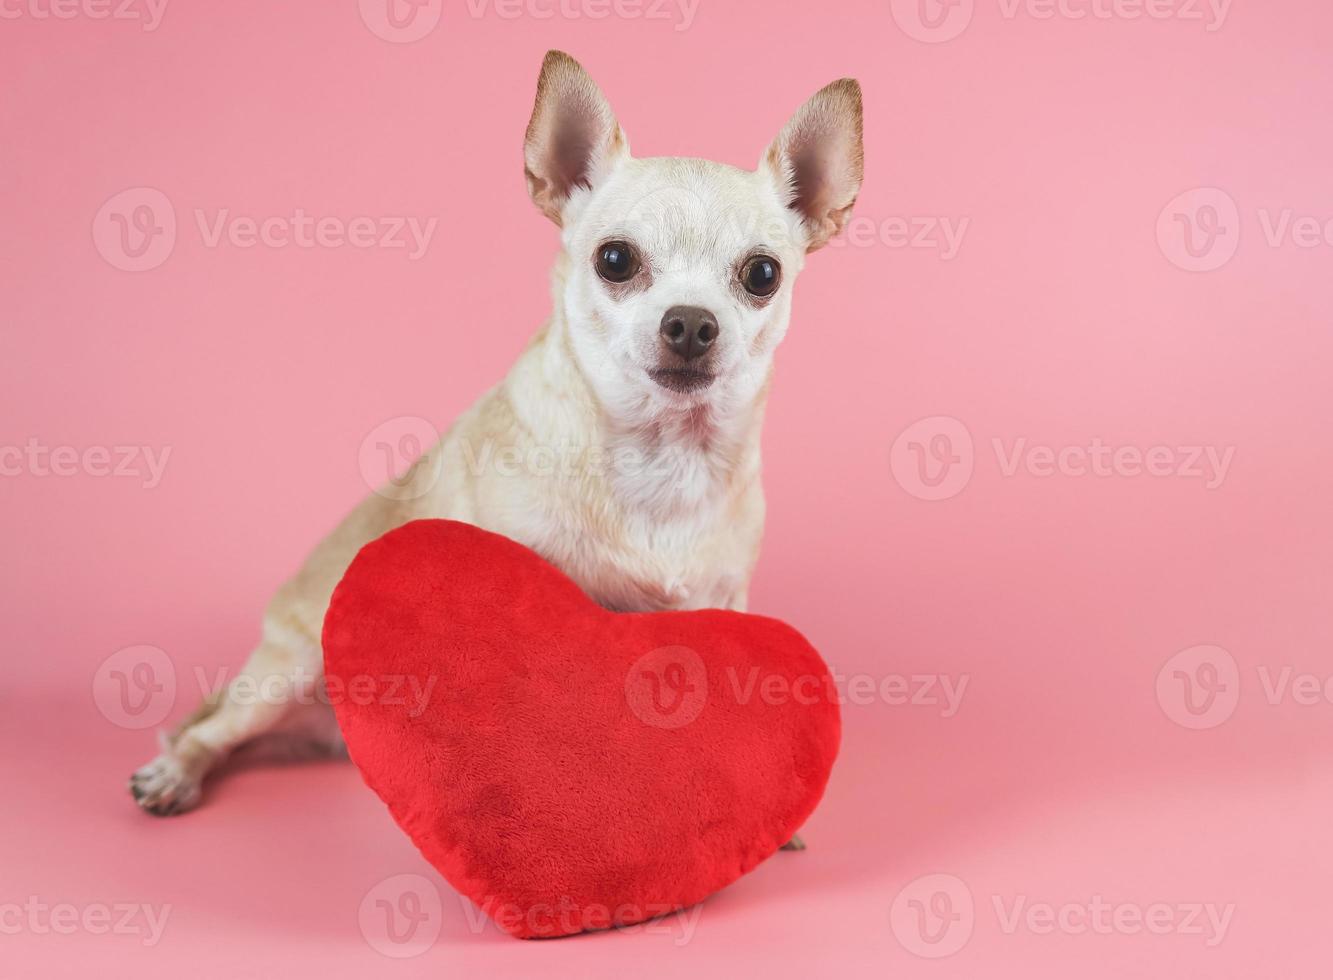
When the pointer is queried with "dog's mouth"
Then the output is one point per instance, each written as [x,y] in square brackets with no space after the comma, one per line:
[681,380]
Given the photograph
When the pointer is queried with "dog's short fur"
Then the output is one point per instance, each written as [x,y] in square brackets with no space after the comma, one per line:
[615,448]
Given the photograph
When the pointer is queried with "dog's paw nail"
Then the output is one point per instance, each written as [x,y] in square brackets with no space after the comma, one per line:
[165,787]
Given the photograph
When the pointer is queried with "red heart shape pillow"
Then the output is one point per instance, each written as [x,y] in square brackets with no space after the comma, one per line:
[565,767]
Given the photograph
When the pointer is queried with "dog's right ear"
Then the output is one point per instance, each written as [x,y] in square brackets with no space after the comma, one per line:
[573,139]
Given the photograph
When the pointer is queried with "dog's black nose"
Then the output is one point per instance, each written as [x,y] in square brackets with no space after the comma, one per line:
[689,330]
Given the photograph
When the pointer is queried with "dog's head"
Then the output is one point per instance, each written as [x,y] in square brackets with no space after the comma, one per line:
[679,272]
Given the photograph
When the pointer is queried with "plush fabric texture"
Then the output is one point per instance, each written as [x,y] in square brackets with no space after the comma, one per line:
[565,767]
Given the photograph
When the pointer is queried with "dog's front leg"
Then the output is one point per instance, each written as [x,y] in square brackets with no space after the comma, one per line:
[266,692]
[278,690]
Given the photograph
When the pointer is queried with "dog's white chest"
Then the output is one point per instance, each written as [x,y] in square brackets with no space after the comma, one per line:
[665,569]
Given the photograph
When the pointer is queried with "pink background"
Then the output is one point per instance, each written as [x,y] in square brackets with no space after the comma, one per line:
[1064,317]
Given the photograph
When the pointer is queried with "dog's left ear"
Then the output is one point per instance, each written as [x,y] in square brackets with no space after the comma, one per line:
[817,160]
[573,138]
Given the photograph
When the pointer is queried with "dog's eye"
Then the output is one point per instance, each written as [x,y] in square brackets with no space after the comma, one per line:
[617,262]
[761,276]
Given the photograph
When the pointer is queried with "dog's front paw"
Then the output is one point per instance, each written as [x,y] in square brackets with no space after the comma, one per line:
[166,786]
